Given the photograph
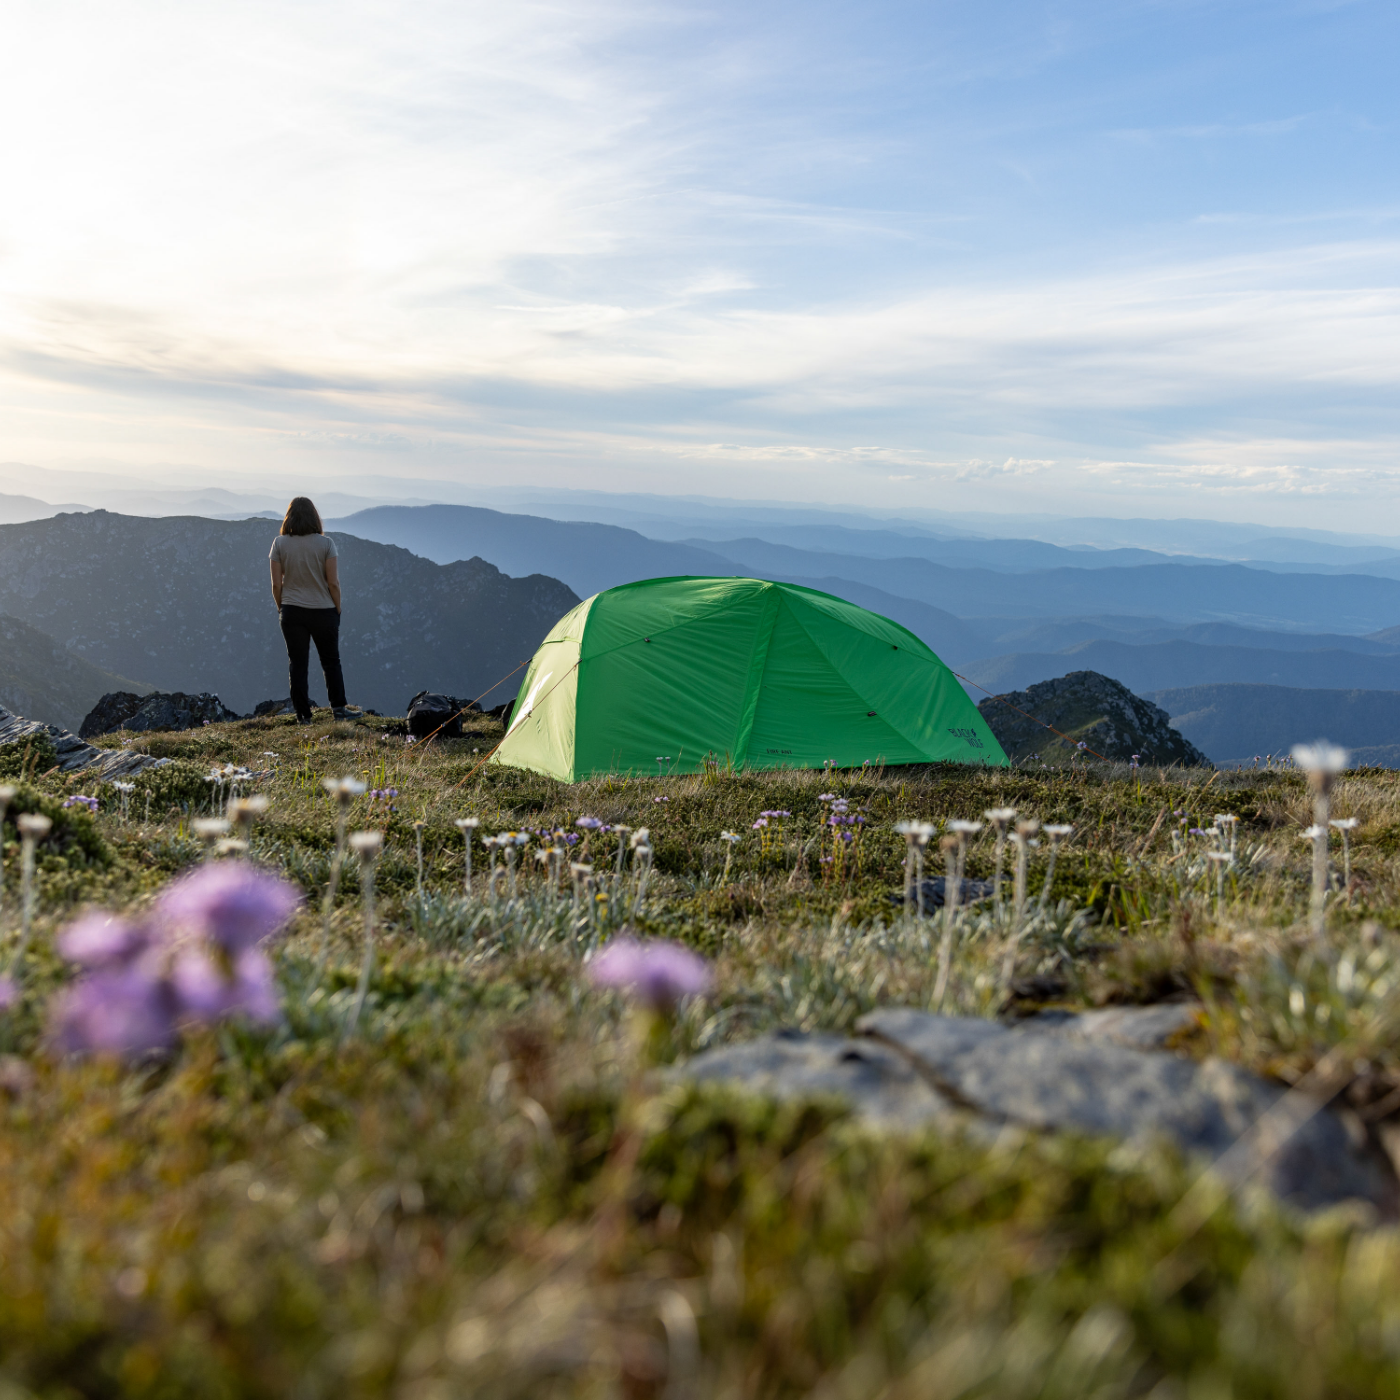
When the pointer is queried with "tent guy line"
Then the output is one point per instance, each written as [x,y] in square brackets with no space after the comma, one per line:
[457,714]
[502,739]
[1031,717]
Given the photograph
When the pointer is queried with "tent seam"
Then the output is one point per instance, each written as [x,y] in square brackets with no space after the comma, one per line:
[893,728]
[743,736]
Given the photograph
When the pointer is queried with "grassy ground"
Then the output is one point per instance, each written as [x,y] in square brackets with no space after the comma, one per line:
[486,1190]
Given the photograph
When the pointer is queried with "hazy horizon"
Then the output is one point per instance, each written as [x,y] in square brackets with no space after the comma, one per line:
[646,512]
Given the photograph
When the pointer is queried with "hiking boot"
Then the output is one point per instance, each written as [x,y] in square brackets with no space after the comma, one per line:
[346,712]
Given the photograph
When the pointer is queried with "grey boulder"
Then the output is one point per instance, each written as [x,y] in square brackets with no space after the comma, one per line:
[791,1065]
[1099,1073]
[1089,1083]
[174,710]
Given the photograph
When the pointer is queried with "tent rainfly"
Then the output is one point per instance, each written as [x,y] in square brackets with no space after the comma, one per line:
[665,674]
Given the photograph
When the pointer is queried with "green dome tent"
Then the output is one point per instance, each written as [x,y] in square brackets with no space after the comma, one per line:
[749,673]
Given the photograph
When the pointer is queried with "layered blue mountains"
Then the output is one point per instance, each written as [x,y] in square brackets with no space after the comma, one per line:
[1251,638]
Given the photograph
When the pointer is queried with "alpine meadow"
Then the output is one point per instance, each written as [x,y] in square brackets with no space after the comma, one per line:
[447,1159]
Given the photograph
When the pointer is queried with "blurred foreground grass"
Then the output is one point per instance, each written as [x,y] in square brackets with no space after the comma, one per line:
[483,1192]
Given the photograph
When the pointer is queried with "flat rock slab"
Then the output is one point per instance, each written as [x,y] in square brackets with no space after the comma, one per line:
[1141,1027]
[106,765]
[1053,1079]
[1101,1073]
[880,1083]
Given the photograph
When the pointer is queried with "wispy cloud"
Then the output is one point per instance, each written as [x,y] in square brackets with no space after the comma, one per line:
[604,236]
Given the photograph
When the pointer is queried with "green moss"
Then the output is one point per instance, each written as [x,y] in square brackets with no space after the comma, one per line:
[26,759]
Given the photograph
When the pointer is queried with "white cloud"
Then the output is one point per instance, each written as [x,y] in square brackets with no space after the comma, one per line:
[537,232]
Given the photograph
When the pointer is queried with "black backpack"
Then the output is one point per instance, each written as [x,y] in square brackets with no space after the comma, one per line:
[432,714]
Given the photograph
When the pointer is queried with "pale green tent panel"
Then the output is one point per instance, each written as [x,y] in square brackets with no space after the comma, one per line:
[751,673]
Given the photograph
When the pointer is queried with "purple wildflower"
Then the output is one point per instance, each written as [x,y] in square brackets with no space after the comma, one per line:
[760,823]
[78,800]
[659,974]
[660,799]
[206,993]
[826,797]
[590,824]
[9,993]
[232,905]
[121,1010]
[197,961]
[103,940]
[775,814]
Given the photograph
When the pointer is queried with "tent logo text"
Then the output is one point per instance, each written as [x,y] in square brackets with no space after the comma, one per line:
[970,736]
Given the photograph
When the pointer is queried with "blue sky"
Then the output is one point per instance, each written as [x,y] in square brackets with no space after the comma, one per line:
[1131,259]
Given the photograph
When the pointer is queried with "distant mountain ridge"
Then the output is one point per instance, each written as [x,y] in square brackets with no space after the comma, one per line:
[1174,665]
[1232,723]
[185,603]
[43,680]
[1058,634]
[1178,592]
[587,557]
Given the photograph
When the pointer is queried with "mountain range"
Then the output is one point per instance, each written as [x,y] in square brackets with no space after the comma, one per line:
[1233,723]
[42,679]
[180,602]
[587,557]
[1179,664]
[989,607]
[184,603]
[590,556]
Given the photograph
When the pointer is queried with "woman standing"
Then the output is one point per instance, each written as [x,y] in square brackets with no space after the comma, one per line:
[306,587]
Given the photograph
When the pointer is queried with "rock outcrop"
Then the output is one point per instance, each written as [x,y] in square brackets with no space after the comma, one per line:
[1091,709]
[106,765]
[142,713]
[1103,1074]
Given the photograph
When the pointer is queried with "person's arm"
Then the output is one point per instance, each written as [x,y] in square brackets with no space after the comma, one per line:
[333,580]
[277,579]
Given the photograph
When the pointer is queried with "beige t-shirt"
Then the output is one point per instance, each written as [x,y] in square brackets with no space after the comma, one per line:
[303,559]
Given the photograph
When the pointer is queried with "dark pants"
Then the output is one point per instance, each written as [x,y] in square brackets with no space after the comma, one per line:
[301,627]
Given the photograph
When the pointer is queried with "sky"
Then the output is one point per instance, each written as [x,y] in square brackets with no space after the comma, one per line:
[1138,258]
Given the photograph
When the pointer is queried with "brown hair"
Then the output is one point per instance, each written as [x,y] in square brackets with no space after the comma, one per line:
[302,518]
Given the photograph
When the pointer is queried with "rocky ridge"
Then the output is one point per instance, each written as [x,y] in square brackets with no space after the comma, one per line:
[1092,709]
[141,713]
[74,755]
